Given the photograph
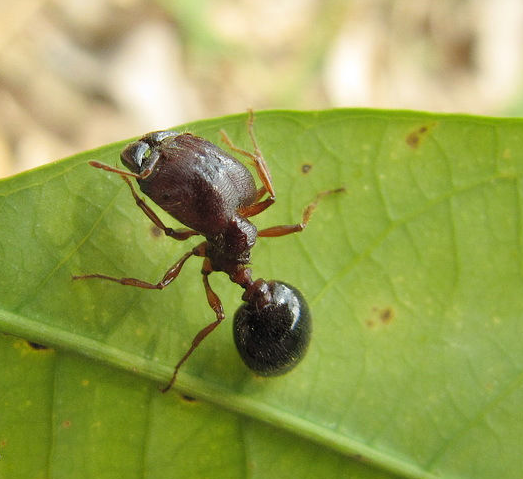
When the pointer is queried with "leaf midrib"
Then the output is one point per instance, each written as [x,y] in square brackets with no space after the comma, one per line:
[54,337]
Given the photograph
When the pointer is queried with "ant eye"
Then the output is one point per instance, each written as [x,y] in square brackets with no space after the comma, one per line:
[273,339]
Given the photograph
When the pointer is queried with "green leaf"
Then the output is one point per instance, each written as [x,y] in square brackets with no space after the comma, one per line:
[414,276]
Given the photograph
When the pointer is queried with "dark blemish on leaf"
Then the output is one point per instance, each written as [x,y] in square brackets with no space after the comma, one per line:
[156,232]
[414,137]
[386,315]
[305,168]
[3,443]
[66,424]
[377,316]
[188,398]
[36,345]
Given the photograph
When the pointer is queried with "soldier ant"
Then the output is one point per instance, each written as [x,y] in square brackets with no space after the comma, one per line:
[213,194]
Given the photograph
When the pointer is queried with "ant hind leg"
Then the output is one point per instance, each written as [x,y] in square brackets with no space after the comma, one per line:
[216,305]
[256,158]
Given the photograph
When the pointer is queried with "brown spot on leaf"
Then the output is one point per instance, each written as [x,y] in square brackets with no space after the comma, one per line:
[66,424]
[414,137]
[359,457]
[155,231]
[305,168]
[379,316]
[386,315]
[188,398]
[36,345]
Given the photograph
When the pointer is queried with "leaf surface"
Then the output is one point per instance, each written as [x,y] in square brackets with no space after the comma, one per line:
[414,277]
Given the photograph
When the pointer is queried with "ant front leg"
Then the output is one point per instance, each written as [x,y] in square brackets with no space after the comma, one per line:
[170,275]
[216,305]
[283,230]
[179,234]
[256,158]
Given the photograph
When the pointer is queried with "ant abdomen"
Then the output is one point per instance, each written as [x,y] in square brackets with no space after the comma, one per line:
[273,338]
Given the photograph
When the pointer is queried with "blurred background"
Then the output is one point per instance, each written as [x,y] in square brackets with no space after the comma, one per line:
[77,74]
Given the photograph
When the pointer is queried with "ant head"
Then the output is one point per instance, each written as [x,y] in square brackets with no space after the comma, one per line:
[272,335]
[141,156]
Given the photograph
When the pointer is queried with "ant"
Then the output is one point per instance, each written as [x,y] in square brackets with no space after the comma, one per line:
[213,194]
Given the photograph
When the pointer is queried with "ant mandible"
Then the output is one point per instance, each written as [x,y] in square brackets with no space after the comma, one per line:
[213,194]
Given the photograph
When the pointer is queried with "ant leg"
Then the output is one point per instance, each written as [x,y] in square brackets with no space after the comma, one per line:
[103,166]
[179,234]
[256,208]
[216,305]
[256,158]
[283,230]
[259,194]
[170,275]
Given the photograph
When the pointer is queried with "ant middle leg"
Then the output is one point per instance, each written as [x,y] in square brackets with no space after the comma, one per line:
[257,159]
[216,305]
[170,275]
[282,230]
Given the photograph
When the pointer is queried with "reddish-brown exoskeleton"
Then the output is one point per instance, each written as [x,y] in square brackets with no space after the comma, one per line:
[213,194]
